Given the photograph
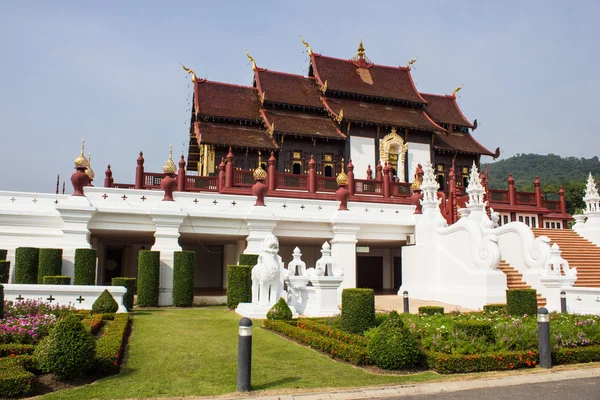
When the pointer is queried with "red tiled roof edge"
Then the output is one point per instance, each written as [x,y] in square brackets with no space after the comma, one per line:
[453,98]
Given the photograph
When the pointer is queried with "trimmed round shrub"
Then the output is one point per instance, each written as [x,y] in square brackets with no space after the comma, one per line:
[85,267]
[129,284]
[392,346]
[248,259]
[148,278]
[184,265]
[50,263]
[4,271]
[26,265]
[358,310]
[521,301]
[239,285]
[3,254]
[1,301]
[280,311]
[431,310]
[57,280]
[495,308]
[105,303]
[68,351]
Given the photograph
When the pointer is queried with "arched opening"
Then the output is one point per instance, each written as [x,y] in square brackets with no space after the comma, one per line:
[328,171]
[442,181]
[297,169]
[465,181]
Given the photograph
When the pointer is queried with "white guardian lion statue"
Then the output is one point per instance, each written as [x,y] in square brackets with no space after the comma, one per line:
[268,273]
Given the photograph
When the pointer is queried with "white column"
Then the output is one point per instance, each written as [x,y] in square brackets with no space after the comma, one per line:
[167,218]
[230,257]
[343,247]
[258,229]
[388,263]
[76,213]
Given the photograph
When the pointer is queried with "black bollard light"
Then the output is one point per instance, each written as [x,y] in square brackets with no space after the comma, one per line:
[244,355]
[544,338]
[405,295]
[563,302]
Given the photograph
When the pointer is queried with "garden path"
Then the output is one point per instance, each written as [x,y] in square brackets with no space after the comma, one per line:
[389,302]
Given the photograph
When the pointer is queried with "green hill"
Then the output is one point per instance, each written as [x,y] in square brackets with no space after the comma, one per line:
[553,171]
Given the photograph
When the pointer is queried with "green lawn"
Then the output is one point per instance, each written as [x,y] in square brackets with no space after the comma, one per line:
[193,352]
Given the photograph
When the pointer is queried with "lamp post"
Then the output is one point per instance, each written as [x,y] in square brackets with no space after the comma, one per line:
[406,306]
[544,338]
[244,355]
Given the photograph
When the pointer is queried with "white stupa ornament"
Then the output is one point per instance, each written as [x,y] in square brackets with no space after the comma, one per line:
[591,198]
[430,185]
[475,188]
[297,267]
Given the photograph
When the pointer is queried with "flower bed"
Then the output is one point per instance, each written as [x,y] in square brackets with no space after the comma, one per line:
[14,379]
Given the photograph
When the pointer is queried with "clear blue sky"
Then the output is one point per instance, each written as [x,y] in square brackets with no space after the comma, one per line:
[109,72]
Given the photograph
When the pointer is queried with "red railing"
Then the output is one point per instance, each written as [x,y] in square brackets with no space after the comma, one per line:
[243,178]
[201,183]
[152,180]
[372,187]
[292,181]
[499,196]
[401,189]
[326,184]
[552,205]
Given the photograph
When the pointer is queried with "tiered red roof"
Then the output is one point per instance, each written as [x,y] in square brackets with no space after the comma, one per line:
[302,124]
[443,108]
[234,135]
[216,99]
[279,87]
[373,80]
[461,142]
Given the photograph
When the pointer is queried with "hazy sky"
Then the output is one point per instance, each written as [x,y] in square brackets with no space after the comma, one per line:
[109,72]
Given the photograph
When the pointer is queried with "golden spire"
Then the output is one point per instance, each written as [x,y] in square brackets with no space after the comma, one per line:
[191,72]
[89,171]
[340,116]
[81,161]
[310,52]
[342,178]
[324,87]
[411,62]
[456,90]
[251,60]
[259,173]
[169,167]
[361,50]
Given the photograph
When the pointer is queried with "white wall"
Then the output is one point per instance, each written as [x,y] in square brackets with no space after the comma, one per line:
[362,152]
[418,153]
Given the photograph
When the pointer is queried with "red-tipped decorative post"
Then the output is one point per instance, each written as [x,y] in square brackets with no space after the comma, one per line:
[351,187]
[538,192]
[342,194]
[229,170]
[378,174]
[168,183]
[386,180]
[79,179]
[259,189]
[369,173]
[221,176]
[108,178]
[563,204]
[312,175]
[272,172]
[181,175]
[139,172]
[512,191]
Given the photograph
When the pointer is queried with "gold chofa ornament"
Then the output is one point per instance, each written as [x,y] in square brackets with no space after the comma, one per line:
[457,90]
[191,72]
[81,161]
[342,178]
[169,167]
[259,173]
[251,60]
[340,116]
[310,52]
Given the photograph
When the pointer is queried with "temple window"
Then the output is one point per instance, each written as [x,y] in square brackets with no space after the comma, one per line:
[533,222]
[505,217]
[328,165]
[442,182]
[527,221]
[520,218]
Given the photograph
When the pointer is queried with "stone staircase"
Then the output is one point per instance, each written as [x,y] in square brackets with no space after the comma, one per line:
[579,252]
[514,280]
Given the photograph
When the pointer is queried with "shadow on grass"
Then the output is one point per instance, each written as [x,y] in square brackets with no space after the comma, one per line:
[276,383]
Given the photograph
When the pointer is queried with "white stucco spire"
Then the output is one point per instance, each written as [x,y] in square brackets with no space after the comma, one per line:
[475,188]
[591,198]
[430,186]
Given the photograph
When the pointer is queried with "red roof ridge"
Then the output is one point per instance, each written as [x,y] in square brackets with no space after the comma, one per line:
[482,146]
[433,122]
[223,83]
[315,71]
[414,87]
[461,113]
[288,74]
[438,95]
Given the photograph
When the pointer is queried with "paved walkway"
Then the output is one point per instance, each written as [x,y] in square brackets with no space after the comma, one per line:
[394,302]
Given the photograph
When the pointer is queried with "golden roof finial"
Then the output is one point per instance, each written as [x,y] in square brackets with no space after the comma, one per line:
[259,173]
[191,72]
[251,60]
[457,90]
[89,171]
[81,161]
[307,46]
[169,167]
[342,178]
[324,87]
[361,50]
[340,116]
[411,62]
[393,131]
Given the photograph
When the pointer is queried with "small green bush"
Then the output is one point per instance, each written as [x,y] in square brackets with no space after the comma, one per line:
[358,310]
[1,301]
[26,264]
[495,308]
[85,267]
[184,265]
[50,263]
[129,284]
[109,350]
[68,351]
[280,311]
[148,278]
[431,310]
[392,346]
[57,280]
[4,271]
[314,325]
[248,259]
[477,329]
[14,379]
[520,302]
[239,285]
[458,363]
[3,254]
[105,303]
[576,355]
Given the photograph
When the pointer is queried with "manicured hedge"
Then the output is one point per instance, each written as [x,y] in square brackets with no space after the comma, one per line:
[184,265]
[129,283]
[495,308]
[455,363]
[105,303]
[326,330]
[248,259]
[392,346]
[480,329]
[15,349]
[576,355]
[57,280]
[1,301]
[26,264]
[14,379]
[110,346]
[148,278]
[85,267]
[358,310]
[521,301]
[93,324]
[356,355]
[280,311]
[3,254]
[431,310]
[4,271]
[50,263]
[239,285]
